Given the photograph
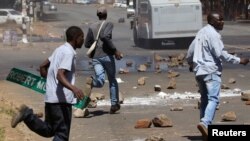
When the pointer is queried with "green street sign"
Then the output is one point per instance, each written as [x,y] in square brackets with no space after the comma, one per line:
[37,83]
[28,80]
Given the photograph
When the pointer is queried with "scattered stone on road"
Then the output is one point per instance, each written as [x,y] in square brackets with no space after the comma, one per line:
[143,123]
[172,84]
[224,86]
[231,81]
[154,138]
[162,121]
[245,95]
[229,116]
[141,81]
[142,68]
[176,109]
[172,74]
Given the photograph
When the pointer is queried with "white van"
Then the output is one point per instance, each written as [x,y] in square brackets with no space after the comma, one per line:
[166,23]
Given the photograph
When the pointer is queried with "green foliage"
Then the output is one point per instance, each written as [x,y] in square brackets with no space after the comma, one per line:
[6,111]
[2,134]
[9,112]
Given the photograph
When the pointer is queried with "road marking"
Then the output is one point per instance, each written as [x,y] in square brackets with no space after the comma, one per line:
[166,98]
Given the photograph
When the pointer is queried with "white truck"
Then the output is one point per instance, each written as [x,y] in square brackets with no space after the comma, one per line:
[168,24]
[130,10]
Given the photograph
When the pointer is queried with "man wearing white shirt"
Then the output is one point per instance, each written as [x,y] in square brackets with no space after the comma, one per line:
[61,93]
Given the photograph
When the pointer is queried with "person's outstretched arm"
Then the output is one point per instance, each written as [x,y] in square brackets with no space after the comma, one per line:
[44,68]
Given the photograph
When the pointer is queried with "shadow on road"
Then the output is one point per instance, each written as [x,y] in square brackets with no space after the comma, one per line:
[97,113]
[194,138]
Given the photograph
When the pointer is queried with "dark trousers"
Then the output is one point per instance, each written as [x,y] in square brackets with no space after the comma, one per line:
[57,121]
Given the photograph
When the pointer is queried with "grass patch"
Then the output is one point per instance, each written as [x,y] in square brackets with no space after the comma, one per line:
[7,111]
[2,131]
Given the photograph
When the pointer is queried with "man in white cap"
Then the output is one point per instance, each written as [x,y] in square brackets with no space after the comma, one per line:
[104,57]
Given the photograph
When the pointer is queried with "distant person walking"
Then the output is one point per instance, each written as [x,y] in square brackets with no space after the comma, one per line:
[104,57]
[205,55]
[61,94]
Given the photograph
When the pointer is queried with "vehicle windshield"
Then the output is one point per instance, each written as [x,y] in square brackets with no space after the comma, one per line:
[14,12]
[130,6]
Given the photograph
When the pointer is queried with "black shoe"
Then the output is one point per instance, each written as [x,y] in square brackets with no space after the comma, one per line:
[19,116]
[114,108]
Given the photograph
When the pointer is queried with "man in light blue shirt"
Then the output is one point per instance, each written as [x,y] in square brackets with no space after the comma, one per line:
[204,56]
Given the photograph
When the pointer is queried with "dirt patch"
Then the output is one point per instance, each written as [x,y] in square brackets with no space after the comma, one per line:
[36,29]
[11,98]
[43,29]
[7,109]
[10,134]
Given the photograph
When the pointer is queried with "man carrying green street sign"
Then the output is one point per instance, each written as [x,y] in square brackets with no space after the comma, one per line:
[61,92]
[38,84]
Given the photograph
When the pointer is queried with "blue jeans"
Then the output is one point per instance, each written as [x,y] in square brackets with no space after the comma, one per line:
[209,86]
[102,65]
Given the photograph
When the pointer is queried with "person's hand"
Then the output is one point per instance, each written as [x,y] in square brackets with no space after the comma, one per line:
[78,93]
[244,61]
[118,55]
[191,67]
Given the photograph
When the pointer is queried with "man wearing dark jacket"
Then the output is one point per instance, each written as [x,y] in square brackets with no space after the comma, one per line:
[104,57]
